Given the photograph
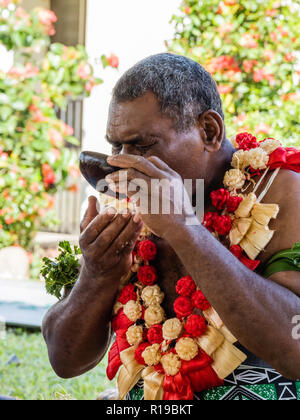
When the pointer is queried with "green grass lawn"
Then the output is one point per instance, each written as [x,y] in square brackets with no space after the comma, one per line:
[34,379]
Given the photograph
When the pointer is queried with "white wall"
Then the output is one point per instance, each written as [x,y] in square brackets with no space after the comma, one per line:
[131,29]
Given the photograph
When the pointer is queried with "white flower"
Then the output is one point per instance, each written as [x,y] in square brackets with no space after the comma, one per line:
[234,179]
[269,145]
[171,364]
[152,295]
[134,335]
[152,355]
[154,315]
[172,329]
[257,158]
[239,160]
[133,310]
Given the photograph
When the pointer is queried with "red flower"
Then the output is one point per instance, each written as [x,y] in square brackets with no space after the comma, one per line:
[289,57]
[147,275]
[139,351]
[147,250]
[222,224]
[127,294]
[233,202]
[188,10]
[209,219]
[113,61]
[219,198]
[200,301]
[155,334]
[195,325]
[246,141]
[185,286]
[183,307]
[48,174]
[224,89]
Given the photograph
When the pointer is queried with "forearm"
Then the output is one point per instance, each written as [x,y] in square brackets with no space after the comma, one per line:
[77,329]
[258,311]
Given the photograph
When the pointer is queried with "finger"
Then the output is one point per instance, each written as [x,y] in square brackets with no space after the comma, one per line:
[137,162]
[90,213]
[103,242]
[125,242]
[124,176]
[96,226]
[160,164]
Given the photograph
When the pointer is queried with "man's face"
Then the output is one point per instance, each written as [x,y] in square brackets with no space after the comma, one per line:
[138,128]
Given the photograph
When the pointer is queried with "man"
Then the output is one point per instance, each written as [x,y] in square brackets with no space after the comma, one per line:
[166,121]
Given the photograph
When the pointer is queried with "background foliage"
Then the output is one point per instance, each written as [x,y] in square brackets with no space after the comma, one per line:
[250,48]
[34,160]
[34,379]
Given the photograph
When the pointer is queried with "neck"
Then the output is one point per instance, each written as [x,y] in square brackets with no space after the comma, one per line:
[220,164]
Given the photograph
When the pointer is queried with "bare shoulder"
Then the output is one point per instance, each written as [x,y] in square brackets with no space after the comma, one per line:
[285,191]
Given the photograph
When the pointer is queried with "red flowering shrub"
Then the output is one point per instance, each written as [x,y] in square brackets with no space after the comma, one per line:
[250,48]
[34,160]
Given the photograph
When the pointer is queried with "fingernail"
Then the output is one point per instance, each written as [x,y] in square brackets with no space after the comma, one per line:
[137,218]
[110,210]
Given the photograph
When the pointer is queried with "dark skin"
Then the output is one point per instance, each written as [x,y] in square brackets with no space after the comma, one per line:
[258,311]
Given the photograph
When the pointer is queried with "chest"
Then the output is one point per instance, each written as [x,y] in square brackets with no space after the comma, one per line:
[170,269]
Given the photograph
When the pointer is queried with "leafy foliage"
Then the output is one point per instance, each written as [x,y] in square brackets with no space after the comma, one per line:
[63,272]
[250,49]
[34,160]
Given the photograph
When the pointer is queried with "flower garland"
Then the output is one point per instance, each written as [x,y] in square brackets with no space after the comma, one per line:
[190,352]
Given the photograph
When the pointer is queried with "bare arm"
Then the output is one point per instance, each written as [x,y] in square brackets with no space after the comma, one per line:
[257,311]
[77,329]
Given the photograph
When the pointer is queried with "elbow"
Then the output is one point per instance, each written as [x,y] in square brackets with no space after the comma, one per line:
[291,369]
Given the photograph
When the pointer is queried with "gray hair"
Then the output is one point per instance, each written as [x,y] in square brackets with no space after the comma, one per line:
[183,88]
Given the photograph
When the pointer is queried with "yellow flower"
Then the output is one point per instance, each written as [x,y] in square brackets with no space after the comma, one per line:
[154,315]
[269,145]
[133,310]
[172,329]
[186,348]
[171,364]
[234,179]
[134,335]
[152,355]
[257,158]
[152,295]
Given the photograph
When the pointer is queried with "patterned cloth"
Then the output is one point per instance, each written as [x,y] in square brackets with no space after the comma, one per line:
[246,383]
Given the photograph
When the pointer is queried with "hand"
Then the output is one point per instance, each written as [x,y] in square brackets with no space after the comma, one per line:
[160,210]
[107,241]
